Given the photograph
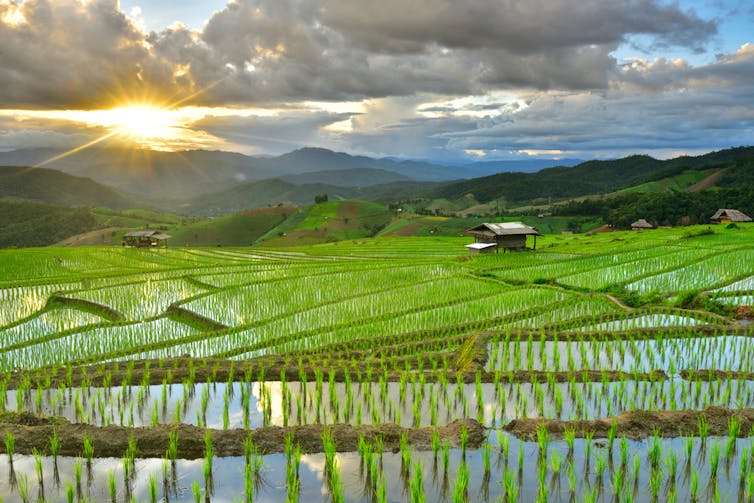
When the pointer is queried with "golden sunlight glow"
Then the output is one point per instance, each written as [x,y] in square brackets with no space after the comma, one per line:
[141,122]
[10,14]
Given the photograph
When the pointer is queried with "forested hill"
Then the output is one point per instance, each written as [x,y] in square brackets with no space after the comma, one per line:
[588,178]
[54,187]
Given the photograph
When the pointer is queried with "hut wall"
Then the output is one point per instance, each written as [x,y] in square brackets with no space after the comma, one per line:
[511,242]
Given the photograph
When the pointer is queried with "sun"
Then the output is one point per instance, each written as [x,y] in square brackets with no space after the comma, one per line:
[143,122]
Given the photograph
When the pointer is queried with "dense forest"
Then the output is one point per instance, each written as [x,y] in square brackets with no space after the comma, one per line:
[32,224]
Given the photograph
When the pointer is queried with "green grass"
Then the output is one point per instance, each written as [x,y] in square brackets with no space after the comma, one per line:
[242,229]
[678,182]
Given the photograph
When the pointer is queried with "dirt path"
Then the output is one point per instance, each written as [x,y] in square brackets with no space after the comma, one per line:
[90,238]
[641,424]
[707,182]
[32,432]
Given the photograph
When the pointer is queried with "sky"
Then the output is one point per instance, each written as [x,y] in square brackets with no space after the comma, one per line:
[439,80]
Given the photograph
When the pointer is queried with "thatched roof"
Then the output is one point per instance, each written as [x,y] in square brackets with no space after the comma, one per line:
[732,215]
[641,224]
[504,229]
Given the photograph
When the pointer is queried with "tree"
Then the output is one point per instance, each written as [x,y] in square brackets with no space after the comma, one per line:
[320,198]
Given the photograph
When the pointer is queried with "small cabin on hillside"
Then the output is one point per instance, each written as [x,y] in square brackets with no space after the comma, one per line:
[726,216]
[641,225]
[145,239]
[501,236]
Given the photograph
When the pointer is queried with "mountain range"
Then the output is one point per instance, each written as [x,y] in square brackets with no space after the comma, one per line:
[148,174]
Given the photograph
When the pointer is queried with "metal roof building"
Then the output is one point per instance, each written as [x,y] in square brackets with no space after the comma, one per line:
[505,236]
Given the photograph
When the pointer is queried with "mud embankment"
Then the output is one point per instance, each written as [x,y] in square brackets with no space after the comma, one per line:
[34,432]
[641,424]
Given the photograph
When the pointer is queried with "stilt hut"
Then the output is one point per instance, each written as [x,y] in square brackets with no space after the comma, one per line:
[501,236]
[145,239]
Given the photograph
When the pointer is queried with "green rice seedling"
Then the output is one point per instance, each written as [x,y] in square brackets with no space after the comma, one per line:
[445,458]
[623,449]
[88,450]
[689,449]
[703,427]
[196,490]
[486,457]
[38,467]
[417,485]
[172,452]
[556,460]
[152,489]
[571,477]
[464,441]
[10,444]
[734,427]
[570,438]
[510,486]
[714,460]
[460,487]
[543,440]
[654,452]
[70,492]
[655,483]
[694,485]
[113,486]
[248,483]
[618,476]
[77,466]
[23,487]
[671,462]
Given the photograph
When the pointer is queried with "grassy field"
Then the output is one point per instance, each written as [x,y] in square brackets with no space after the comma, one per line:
[606,367]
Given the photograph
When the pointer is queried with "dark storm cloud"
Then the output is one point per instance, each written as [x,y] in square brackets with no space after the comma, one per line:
[72,54]
[67,54]
[519,27]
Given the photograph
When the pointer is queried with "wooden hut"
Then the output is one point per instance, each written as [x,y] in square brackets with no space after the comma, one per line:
[641,224]
[145,239]
[726,216]
[505,236]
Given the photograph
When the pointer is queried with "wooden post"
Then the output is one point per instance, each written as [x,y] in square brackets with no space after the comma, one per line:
[535,241]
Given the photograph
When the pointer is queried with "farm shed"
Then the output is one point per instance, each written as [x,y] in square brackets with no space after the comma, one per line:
[505,236]
[641,224]
[726,216]
[145,239]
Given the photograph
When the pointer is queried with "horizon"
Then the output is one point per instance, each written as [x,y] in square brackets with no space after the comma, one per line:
[441,85]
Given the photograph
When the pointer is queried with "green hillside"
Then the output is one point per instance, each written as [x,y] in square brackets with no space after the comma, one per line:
[54,187]
[241,229]
[330,221]
[588,178]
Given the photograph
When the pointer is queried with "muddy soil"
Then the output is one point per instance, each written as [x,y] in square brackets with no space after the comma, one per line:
[714,375]
[34,432]
[176,370]
[641,424]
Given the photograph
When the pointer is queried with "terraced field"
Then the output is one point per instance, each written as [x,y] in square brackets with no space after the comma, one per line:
[611,367]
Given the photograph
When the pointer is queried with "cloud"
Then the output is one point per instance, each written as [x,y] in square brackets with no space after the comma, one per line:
[69,53]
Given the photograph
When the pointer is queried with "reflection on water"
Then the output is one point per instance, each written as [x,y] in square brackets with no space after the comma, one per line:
[408,403]
[634,469]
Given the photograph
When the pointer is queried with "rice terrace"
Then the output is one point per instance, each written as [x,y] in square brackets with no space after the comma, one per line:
[604,367]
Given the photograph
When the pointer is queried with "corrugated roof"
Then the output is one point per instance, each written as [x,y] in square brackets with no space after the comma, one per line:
[139,234]
[732,215]
[161,236]
[506,229]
